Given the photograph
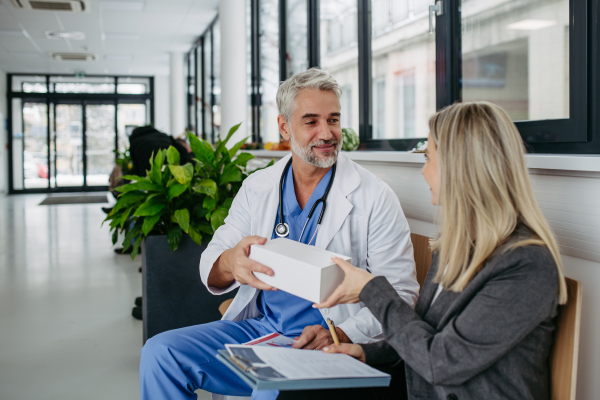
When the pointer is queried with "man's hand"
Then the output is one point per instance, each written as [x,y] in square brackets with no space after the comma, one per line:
[316,337]
[234,265]
[353,350]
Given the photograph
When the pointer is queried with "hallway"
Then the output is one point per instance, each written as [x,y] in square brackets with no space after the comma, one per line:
[65,305]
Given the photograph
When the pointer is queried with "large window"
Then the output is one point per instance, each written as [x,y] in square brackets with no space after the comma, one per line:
[64,130]
[398,61]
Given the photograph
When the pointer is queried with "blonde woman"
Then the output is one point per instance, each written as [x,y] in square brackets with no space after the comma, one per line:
[483,325]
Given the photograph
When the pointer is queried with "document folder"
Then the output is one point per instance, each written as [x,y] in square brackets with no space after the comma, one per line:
[287,384]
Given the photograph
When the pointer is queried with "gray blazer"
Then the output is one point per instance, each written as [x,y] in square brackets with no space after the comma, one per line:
[491,341]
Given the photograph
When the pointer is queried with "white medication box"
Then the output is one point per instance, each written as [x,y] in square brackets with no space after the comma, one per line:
[302,270]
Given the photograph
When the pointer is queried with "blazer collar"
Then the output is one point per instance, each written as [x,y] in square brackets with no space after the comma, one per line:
[266,186]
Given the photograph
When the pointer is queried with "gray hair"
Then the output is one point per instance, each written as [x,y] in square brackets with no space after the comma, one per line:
[313,78]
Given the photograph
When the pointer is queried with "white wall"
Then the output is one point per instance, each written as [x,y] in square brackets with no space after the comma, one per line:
[3,135]
[162,107]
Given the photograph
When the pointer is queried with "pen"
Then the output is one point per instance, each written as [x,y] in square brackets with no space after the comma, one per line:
[333,332]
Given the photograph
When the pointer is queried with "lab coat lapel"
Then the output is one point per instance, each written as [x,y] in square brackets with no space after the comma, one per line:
[346,181]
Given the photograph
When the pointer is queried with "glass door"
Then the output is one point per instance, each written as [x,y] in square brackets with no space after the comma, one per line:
[34,145]
[67,146]
[99,143]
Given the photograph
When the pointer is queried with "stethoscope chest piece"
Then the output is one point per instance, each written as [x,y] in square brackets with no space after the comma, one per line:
[282,230]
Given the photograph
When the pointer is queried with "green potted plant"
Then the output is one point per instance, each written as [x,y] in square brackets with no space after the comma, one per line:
[172,214]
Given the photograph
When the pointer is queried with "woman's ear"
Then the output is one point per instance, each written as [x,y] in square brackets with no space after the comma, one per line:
[284,128]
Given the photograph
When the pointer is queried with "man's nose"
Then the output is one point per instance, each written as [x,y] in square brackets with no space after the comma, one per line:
[324,132]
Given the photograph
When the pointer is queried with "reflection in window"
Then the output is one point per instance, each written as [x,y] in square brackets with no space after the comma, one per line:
[296,35]
[206,96]
[339,53]
[403,56]
[269,63]
[517,57]
[216,31]
[379,108]
[34,87]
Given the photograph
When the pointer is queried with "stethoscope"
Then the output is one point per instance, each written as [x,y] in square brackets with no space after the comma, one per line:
[282,229]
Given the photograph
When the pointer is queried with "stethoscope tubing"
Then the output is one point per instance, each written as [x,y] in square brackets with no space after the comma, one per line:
[282,229]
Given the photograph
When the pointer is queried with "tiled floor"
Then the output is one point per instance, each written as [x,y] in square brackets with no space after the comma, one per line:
[66,330]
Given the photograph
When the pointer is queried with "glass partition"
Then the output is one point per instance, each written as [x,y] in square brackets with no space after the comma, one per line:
[269,69]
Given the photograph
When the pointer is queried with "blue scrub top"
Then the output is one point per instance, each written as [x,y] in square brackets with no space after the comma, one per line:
[280,311]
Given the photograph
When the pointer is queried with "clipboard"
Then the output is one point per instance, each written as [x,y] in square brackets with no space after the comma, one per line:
[241,369]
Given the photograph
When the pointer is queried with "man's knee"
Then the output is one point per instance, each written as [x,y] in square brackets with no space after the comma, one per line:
[158,347]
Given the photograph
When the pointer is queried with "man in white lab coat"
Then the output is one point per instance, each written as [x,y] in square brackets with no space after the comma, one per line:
[363,219]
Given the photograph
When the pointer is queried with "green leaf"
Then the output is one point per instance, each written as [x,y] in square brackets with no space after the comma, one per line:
[166,175]
[136,247]
[237,147]
[124,216]
[115,237]
[183,173]
[176,190]
[149,223]
[129,237]
[172,156]
[222,143]
[128,199]
[231,173]
[209,203]
[174,236]
[206,186]
[144,185]
[243,159]
[183,219]
[195,235]
[205,227]
[202,150]
[135,178]
[150,207]
[172,181]
[218,217]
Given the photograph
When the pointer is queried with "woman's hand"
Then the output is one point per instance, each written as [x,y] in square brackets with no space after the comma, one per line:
[350,288]
[353,350]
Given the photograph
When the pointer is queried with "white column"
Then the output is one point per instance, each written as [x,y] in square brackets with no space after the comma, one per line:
[234,86]
[177,94]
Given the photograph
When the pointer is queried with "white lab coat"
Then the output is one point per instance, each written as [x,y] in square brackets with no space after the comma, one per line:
[363,220]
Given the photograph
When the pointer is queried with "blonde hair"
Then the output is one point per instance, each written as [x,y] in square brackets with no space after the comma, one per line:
[484,192]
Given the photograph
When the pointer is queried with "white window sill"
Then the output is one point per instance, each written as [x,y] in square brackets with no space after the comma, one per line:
[565,162]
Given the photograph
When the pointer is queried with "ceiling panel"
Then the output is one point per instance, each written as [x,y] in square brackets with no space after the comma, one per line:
[161,27]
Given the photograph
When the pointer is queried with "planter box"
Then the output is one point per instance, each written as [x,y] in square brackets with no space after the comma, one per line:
[173,294]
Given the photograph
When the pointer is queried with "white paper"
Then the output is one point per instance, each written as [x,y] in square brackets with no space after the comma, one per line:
[273,340]
[298,364]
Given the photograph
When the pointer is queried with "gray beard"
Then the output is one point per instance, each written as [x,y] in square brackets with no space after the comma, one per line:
[306,154]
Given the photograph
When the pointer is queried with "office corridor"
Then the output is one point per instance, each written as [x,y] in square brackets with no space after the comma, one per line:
[66,331]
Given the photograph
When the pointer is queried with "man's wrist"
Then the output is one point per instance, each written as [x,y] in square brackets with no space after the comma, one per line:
[342,335]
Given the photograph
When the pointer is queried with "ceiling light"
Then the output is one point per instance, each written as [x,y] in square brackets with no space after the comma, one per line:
[531,24]
[118,57]
[71,35]
[12,33]
[122,6]
[119,36]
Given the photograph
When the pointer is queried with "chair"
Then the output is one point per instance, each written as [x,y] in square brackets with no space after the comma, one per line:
[224,306]
[422,253]
[565,351]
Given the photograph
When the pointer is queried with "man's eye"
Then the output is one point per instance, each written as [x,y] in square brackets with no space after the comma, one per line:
[334,120]
[311,122]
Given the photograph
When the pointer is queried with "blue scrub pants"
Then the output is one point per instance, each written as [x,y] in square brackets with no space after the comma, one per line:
[176,363]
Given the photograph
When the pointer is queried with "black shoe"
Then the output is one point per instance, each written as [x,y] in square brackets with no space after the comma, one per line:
[107,210]
[140,270]
[138,301]
[119,250]
[137,313]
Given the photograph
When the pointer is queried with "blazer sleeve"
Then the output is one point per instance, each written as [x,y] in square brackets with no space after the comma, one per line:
[390,255]
[506,309]
[237,226]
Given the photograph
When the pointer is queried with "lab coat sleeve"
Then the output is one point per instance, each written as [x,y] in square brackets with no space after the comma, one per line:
[389,254]
[236,227]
